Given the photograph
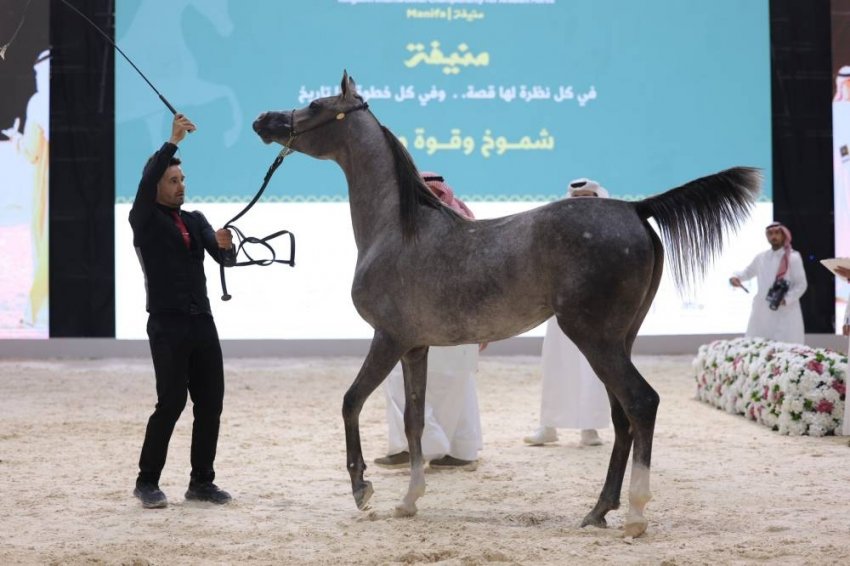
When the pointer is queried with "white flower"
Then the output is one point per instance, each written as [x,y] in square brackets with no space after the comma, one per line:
[784,386]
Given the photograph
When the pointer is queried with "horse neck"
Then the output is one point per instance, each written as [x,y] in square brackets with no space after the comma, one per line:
[372,189]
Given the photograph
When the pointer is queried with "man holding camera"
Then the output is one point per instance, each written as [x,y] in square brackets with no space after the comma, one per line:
[781,281]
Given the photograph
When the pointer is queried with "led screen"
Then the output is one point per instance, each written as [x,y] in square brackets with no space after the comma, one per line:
[509,101]
[24,168]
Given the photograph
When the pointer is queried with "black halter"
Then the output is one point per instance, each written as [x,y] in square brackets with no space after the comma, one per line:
[340,116]
[242,238]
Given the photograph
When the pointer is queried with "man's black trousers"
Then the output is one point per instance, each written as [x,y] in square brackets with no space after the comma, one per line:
[186,359]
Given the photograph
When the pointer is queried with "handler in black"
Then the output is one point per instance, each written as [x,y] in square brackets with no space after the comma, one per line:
[184,341]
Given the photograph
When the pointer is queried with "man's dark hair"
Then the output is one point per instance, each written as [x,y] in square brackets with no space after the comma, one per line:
[172,161]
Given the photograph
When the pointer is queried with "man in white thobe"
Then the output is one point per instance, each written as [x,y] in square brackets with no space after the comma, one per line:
[785,323]
[452,434]
[573,396]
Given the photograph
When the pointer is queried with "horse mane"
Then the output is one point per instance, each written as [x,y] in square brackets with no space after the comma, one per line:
[412,191]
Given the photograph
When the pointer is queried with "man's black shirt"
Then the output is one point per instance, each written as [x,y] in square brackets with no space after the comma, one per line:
[174,274]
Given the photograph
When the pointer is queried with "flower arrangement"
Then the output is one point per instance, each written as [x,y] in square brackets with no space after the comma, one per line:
[789,387]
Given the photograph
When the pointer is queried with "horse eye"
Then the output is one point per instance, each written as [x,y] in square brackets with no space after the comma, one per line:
[314,105]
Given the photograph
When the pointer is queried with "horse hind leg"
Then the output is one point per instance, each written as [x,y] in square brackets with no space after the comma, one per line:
[383,355]
[415,368]
[639,494]
[636,406]
[609,499]
[652,289]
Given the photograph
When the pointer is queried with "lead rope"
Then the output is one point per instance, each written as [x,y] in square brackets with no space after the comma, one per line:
[243,239]
[225,296]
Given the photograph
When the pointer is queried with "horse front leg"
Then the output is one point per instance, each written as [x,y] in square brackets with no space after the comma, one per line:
[383,355]
[415,367]
[609,499]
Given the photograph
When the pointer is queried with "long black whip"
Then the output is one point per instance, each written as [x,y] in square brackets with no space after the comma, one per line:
[115,45]
[242,238]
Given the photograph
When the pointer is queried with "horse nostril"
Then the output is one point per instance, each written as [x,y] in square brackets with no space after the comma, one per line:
[258,123]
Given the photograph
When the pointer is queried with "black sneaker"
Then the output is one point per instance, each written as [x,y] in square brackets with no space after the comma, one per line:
[451,463]
[207,491]
[397,460]
[150,495]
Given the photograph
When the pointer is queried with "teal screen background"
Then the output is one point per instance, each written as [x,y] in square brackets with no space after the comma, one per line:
[641,96]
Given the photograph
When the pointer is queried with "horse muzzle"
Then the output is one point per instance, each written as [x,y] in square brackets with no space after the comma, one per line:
[273,126]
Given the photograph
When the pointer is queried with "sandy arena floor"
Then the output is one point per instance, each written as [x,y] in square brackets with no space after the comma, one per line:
[725,490]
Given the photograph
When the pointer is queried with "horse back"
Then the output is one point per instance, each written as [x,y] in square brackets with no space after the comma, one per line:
[495,278]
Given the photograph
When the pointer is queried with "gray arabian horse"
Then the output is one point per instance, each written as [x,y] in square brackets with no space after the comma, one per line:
[425,276]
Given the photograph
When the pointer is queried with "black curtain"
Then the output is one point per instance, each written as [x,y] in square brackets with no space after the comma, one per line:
[801,80]
[82,171]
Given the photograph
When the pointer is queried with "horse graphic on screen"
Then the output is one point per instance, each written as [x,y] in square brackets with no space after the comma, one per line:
[425,277]
[175,69]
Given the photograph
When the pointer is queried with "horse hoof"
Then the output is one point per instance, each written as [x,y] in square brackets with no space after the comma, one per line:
[635,527]
[402,510]
[362,496]
[594,521]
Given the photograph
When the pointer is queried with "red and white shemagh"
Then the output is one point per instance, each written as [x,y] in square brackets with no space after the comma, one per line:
[445,193]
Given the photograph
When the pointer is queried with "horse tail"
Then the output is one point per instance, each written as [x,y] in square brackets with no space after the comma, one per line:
[695,218]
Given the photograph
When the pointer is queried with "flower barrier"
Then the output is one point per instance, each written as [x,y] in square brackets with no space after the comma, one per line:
[789,387]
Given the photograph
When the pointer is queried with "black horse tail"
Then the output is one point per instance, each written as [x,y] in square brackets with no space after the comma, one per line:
[695,218]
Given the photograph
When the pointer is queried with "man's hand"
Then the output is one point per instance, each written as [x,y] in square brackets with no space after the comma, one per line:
[180,126]
[735,282]
[845,330]
[224,238]
[843,272]
[13,133]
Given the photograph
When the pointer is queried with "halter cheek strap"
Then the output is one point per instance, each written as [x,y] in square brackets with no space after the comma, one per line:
[339,116]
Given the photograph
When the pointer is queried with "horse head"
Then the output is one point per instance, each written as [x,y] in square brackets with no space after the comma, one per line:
[298,129]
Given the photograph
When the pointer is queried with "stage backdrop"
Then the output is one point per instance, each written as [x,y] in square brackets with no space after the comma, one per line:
[509,101]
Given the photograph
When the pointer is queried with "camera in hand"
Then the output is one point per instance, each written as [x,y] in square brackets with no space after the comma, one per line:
[776,293]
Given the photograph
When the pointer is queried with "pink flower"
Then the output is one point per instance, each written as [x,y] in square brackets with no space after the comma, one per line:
[824,406]
[839,386]
[815,366]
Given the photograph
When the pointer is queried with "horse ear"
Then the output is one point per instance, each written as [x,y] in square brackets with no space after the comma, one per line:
[347,87]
